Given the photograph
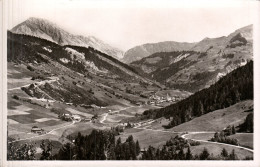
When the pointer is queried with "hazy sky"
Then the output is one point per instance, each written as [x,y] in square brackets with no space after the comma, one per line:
[125,24]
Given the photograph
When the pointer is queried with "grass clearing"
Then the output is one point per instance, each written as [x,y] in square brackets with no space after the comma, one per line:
[12,104]
[115,118]
[138,109]
[10,121]
[216,149]
[49,123]
[76,112]
[201,136]
[158,124]
[83,128]
[147,137]
[19,110]
[45,119]
[244,139]
[217,120]
[24,119]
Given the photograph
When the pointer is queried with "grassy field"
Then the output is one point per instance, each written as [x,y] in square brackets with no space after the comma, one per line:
[216,150]
[18,76]
[83,128]
[12,104]
[26,113]
[138,109]
[158,124]
[244,139]
[217,120]
[114,118]
[202,136]
[147,137]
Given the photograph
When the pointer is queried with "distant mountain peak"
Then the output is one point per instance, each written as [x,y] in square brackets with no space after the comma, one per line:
[36,19]
[219,43]
[148,49]
[200,65]
[46,29]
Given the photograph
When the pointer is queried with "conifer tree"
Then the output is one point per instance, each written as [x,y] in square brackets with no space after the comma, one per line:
[224,153]
[233,155]
[204,155]
[233,130]
[66,152]
[138,149]
[189,156]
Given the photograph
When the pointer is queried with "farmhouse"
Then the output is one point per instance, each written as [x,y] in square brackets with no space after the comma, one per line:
[65,117]
[37,130]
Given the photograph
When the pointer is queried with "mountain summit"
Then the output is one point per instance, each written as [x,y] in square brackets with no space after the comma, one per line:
[47,30]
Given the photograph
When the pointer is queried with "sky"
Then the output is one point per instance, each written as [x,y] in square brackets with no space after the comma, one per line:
[125,24]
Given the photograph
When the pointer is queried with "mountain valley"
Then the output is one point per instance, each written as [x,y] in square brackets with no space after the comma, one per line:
[64,87]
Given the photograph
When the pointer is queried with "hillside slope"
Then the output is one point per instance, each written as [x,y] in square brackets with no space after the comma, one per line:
[85,75]
[201,66]
[231,89]
[219,119]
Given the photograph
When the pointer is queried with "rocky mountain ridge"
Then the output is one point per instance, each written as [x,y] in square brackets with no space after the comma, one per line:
[47,30]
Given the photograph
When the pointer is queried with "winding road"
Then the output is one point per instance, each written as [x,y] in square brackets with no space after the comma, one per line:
[201,132]
[206,141]
[106,114]
[53,79]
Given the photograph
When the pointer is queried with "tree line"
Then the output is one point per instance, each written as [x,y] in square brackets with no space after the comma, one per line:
[102,145]
[248,124]
[222,136]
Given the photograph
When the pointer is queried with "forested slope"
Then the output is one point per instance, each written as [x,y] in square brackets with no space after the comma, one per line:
[234,87]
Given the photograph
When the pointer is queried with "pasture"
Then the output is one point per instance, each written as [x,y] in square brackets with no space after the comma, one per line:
[217,120]
[216,149]
[147,137]
[244,139]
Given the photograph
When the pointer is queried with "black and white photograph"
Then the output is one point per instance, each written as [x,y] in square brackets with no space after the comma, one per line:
[130,81]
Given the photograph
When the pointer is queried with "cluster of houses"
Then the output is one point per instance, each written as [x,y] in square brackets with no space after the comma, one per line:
[69,117]
[155,99]
[122,126]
